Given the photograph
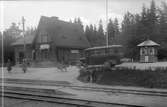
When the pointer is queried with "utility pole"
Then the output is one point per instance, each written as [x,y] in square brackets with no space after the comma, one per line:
[23,22]
[107,42]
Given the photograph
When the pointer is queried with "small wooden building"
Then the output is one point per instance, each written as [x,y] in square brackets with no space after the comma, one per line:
[148,51]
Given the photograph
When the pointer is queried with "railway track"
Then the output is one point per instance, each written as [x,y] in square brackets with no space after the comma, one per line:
[89,88]
[51,98]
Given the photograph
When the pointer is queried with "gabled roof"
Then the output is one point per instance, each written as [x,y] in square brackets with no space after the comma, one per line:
[63,34]
[148,43]
[28,40]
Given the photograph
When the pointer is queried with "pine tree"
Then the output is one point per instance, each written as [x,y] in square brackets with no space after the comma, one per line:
[163,32]
[87,33]
[111,31]
[152,21]
[79,22]
[163,22]
[116,26]
[100,34]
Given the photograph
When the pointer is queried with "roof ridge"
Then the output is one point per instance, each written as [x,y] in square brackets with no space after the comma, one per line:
[148,43]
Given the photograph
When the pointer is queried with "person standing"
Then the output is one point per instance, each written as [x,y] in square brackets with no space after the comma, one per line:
[24,66]
[9,66]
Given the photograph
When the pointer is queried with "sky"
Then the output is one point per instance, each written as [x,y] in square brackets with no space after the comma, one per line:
[90,11]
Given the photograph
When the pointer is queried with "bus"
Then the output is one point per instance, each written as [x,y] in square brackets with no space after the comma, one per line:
[97,56]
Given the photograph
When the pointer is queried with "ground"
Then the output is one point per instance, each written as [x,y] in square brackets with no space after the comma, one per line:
[71,77]
[44,74]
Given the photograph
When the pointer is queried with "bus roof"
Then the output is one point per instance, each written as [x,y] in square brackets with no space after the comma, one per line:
[102,47]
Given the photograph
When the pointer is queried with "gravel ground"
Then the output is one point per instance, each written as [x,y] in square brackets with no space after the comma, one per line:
[44,74]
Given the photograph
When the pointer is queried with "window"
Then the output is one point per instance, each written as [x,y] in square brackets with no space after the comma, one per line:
[44,38]
[142,51]
[74,51]
[145,50]
[151,51]
[110,51]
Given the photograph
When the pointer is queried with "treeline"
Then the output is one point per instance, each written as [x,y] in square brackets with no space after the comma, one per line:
[151,23]
[96,34]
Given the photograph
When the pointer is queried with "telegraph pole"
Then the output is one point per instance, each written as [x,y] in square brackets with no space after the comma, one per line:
[107,42]
[23,22]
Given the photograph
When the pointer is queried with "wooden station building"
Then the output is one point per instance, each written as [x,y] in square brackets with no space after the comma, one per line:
[148,51]
[54,40]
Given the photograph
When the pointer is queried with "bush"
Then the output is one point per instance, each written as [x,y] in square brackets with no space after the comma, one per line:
[130,77]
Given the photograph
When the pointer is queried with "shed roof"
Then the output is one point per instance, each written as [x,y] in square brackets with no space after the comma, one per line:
[20,41]
[148,43]
[63,34]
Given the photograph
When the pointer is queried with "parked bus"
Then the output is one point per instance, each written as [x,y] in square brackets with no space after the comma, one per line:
[98,56]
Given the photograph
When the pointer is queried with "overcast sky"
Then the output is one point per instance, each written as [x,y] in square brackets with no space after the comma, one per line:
[90,11]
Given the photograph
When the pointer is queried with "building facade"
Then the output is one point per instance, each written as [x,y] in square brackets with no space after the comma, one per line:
[55,40]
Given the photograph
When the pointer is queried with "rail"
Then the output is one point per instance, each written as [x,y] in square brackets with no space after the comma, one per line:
[40,96]
[89,88]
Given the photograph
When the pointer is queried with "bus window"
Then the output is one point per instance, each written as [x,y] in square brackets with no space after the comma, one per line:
[110,51]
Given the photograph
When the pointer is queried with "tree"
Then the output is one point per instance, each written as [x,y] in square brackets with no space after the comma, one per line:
[88,34]
[163,22]
[163,31]
[95,31]
[148,25]
[95,36]
[116,27]
[100,34]
[13,31]
[9,36]
[152,21]
[127,27]
[100,29]
[111,31]
[78,21]
[30,31]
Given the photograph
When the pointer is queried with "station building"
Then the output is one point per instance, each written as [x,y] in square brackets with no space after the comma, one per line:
[54,40]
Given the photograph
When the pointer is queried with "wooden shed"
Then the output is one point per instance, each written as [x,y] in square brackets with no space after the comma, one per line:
[148,51]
